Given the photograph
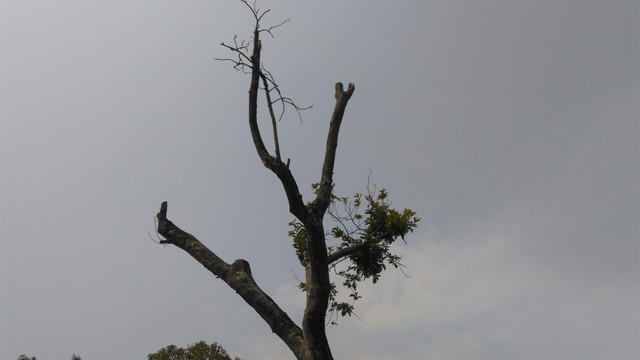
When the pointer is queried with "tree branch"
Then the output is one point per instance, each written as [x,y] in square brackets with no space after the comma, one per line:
[274,124]
[320,204]
[238,276]
[339,254]
[296,205]
[253,100]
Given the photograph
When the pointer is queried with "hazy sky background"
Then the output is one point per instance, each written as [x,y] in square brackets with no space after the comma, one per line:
[511,127]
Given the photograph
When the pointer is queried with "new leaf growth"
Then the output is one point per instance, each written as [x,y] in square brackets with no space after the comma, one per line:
[360,238]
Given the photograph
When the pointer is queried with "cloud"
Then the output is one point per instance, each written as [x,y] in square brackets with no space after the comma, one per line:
[486,299]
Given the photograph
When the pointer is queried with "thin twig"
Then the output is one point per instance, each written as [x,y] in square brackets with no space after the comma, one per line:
[273,117]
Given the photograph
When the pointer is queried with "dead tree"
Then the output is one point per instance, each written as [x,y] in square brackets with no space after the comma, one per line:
[308,341]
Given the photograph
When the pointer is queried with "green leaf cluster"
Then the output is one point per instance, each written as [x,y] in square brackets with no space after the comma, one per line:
[197,351]
[365,226]
[299,235]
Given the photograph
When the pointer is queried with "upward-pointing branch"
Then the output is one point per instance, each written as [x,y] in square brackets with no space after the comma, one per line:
[320,204]
[253,100]
[275,164]
[274,124]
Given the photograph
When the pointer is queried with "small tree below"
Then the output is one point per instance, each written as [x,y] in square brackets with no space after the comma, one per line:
[25,357]
[196,351]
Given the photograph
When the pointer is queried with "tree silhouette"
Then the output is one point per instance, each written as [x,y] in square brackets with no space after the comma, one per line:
[365,225]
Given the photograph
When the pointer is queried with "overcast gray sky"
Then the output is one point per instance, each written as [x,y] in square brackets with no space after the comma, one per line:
[511,127]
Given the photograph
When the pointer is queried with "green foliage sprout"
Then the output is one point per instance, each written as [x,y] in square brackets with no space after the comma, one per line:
[365,227]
